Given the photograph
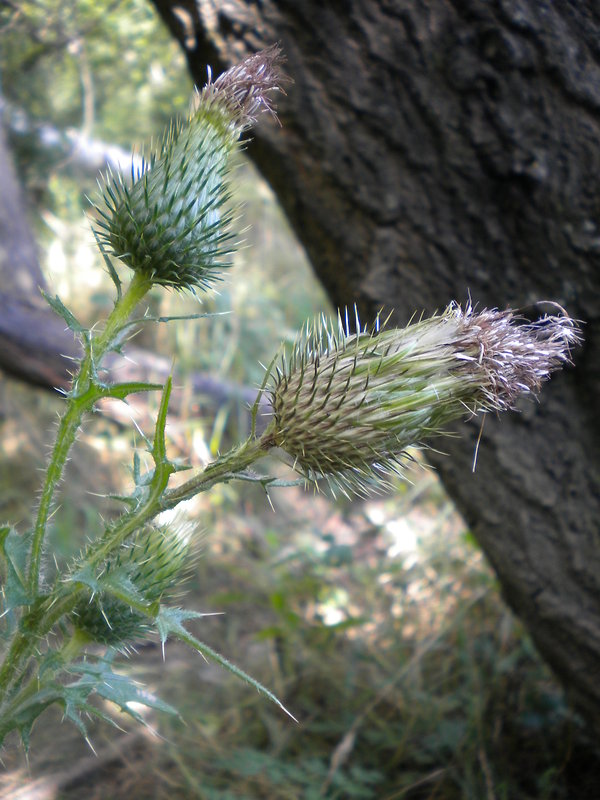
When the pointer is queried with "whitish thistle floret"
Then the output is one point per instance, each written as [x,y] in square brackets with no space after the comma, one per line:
[346,406]
[172,221]
[148,567]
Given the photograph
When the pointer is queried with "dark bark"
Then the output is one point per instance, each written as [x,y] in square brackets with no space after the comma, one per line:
[434,150]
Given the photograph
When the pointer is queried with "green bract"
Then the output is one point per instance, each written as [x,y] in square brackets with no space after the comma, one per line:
[171,222]
[346,406]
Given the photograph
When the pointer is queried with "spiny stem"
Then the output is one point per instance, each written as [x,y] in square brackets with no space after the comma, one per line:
[73,646]
[81,399]
[128,524]
[235,461]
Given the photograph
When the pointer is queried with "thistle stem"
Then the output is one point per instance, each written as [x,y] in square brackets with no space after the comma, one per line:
[221,470]
[83,395]
[130,522]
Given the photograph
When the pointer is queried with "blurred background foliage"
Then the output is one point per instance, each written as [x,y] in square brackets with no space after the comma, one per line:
[378,623]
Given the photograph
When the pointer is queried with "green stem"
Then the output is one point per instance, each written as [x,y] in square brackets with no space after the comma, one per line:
[82,397]
[128,523]
[73,646]
[223,469]
[39,620]
[159,500]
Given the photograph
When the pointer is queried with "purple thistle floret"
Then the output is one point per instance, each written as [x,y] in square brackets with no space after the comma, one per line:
[246,88]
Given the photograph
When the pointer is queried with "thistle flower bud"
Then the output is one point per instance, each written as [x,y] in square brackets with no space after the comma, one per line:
[347,405]
[172,221]
[149,565]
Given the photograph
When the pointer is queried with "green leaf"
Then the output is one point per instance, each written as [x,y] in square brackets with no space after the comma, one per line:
[119,689]
[193,316]
[21,716]
[181,467]
[159,448]
[136,468]
[121,498]
[15,549]
[95,678]
[118,583]
[120,391]
[49,662]
[168,622]
[265,481]
[73,705]
[256,404]
[87,576]
[142,320]
[60,308]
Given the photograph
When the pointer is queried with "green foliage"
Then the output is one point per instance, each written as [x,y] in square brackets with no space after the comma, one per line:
[97,676]
[15,549]
[97,679]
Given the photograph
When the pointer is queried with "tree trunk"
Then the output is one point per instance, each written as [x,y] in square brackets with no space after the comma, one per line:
[446,150]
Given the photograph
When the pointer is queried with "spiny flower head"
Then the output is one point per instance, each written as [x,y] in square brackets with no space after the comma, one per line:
[172,221]
[149,565]
[347,405]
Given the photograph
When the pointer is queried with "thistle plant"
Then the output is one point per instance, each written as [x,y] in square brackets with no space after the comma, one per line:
[345,406]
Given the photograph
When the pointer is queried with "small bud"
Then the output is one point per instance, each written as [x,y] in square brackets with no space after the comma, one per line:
[151,563]
[348,405]
[172,221]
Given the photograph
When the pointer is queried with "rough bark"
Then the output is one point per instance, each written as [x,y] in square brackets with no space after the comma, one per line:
[432,151]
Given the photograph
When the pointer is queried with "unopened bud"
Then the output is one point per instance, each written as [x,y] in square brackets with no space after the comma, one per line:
[346,406]
[172,221]
[150,563]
